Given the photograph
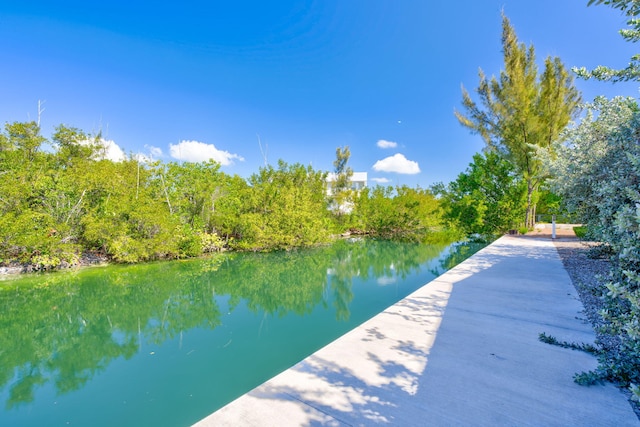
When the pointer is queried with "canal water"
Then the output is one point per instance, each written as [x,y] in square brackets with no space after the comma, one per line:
[166,344]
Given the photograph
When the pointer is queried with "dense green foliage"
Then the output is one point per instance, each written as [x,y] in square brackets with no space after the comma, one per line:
[408,213]
[598,174]
[57,204]
[487,199]
[581,231]
[283,208]
[522,112]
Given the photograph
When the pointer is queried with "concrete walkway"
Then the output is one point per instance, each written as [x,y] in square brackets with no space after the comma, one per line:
[462,350]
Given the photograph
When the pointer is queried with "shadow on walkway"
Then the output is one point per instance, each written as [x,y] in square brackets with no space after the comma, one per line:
[462,350]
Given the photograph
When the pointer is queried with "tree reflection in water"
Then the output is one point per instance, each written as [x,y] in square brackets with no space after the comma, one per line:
[64,328]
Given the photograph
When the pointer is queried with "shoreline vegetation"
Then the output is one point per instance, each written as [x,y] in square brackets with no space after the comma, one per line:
[89,259]
[65,203]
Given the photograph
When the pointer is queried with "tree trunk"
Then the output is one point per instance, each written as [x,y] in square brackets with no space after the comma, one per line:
[530,220]
[528,212]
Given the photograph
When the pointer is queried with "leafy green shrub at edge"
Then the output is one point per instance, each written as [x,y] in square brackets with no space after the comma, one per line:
[597,170]
[580,231]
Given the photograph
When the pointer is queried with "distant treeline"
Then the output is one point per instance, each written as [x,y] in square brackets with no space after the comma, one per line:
[56,205]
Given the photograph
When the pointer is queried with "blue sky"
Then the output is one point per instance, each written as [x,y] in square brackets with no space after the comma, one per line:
[195,79]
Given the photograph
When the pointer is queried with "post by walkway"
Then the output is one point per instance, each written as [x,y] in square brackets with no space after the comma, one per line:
[462,350]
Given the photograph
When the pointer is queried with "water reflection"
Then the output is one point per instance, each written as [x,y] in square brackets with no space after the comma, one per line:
[63,329]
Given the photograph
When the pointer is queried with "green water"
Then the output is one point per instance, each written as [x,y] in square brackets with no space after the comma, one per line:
[165,344]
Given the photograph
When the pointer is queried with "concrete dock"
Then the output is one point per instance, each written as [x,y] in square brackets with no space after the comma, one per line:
[462,350]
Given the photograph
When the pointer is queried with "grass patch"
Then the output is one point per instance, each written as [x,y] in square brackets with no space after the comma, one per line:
[580,231]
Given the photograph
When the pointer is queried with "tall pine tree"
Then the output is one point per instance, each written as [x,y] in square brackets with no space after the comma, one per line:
[521,112]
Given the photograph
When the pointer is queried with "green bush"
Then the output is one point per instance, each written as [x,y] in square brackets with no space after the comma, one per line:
[211,242]
[597,172]
[580,231]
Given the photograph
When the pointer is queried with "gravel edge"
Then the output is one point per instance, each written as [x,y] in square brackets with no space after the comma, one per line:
[587,275]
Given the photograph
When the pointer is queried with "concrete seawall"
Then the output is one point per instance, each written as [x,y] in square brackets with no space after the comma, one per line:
[461,350]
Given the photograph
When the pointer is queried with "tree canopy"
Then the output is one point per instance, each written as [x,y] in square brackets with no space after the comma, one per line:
[57,205]
[522,111]
[487,198]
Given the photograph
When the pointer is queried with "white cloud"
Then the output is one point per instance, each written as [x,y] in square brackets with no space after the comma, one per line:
[385,280]
[386,144]
[142,158]
[106,149]
[113,151]
[397,163]
[154,152]
[196,151]
[381,180]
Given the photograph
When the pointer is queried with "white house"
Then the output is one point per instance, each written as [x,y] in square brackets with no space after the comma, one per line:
[358,181]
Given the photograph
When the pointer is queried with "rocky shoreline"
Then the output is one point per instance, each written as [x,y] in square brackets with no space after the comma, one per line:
[588,274]
[85,260]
